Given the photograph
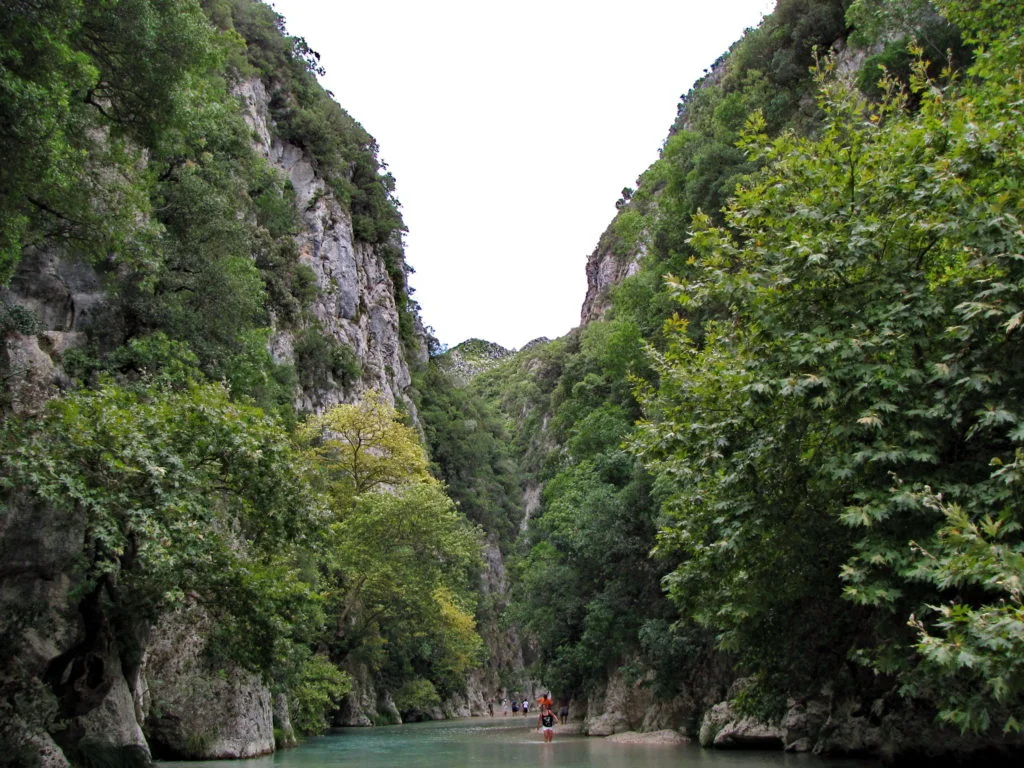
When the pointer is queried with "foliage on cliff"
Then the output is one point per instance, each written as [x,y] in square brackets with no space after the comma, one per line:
[126,147]
[467,442]
[828,463]
[174,445]
[867,361]
[307,554]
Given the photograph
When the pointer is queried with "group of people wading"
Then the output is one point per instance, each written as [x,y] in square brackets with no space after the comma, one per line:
[546,718]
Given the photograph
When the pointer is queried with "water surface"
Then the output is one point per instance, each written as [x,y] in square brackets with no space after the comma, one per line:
[499,742]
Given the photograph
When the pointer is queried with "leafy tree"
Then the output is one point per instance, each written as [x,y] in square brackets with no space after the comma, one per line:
[314,696]
[584,585]
[469,452]
[867,306]
[394,549]
[85,87]
[181,492]
[405,558]
[365,447]
[397,552]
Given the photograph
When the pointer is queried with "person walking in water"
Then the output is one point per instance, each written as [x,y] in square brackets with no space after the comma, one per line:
[546,723]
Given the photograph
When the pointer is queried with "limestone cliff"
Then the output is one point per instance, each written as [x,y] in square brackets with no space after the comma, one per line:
[355,304]
[356,301]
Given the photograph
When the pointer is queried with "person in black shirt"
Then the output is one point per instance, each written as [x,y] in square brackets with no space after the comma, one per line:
[546,723]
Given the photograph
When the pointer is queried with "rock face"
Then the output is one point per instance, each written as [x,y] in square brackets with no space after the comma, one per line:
[616,709]
[67,297]
[609,264]
[504,649]
[365,705]
[895,731]
[68,670]
[722,728]
[356,305]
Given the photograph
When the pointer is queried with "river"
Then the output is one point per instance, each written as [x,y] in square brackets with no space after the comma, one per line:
[502,743]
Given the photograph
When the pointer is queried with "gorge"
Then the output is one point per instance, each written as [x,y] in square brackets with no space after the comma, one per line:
[766,495]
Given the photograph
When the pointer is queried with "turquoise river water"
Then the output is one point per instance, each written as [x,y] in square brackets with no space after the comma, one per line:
[502,743]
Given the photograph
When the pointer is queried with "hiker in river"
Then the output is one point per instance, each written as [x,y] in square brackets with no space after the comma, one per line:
[546,723]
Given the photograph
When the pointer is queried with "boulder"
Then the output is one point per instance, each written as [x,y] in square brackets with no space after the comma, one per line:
[619,707]
[196,712]
[364,705]
[721,727]
[284,734]
[111,731]
[850,729]
[802,724]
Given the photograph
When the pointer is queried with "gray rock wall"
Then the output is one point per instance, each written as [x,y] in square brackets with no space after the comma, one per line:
[893,730]
[365,704]
[607,266]
[356,304]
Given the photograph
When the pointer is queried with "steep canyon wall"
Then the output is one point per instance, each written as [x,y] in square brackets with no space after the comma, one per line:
[110,687]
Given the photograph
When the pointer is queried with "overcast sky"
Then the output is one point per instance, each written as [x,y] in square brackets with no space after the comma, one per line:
[511,129]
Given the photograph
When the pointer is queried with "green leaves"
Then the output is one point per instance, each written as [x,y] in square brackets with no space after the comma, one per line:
[364,447]
[397,555]
[319,689]
[185,496]
[851,347]
[86,88]
[974,648]
[172,486]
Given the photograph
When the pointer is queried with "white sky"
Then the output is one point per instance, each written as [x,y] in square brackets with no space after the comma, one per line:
[511,129]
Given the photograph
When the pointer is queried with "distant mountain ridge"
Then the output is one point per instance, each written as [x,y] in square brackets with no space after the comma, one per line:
[472,357]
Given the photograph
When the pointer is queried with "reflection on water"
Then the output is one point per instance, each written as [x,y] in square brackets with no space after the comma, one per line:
[506,743]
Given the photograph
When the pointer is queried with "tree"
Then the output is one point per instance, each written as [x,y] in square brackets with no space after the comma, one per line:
[364,447]
[469,452]
[182,495]
[398,555]
[395,549]
[867,306]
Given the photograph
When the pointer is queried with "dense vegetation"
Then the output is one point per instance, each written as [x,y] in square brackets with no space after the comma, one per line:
[806,401]
[176,446]
[791,449]
[309,552]
[128,149]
